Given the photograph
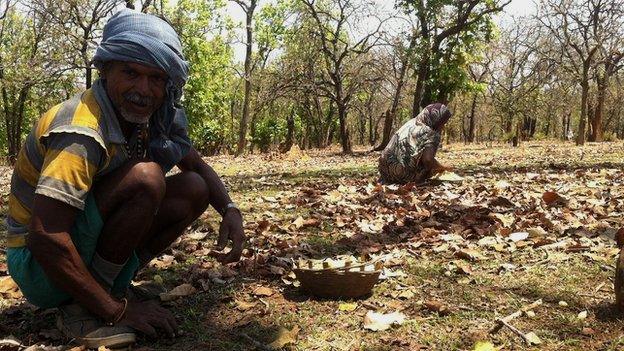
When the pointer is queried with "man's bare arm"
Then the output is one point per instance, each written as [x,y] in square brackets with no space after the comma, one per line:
[232,225]
[219,197]
[52,247]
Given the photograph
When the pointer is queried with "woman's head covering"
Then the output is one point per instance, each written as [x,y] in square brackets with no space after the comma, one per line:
[137,37]
[434,115]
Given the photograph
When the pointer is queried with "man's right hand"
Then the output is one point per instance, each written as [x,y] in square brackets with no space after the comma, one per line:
[148,316]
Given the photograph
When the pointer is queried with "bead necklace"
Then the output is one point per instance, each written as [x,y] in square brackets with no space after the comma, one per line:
[137,144]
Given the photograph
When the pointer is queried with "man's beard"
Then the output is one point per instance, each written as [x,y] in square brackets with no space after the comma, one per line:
[134,118]
[139,100]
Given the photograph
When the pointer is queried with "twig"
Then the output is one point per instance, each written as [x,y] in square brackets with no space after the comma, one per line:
[516,331]
[500,322]
[591,296]
[257,344]
[597,289]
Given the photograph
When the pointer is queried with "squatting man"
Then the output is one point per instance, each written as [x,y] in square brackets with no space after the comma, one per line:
[90,203]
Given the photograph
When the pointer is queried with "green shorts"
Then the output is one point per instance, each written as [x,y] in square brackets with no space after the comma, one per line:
[34,283]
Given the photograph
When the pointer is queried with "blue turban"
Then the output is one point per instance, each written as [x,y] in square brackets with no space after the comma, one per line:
[133,36]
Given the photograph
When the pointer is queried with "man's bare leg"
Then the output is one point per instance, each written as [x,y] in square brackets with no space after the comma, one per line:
[144,211]
[186,198]
[128,199]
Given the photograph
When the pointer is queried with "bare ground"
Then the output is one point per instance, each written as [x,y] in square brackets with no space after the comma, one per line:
[456,253]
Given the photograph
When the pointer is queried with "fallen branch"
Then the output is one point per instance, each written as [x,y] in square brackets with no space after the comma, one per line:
[517,331]
[500,322]
[258,345]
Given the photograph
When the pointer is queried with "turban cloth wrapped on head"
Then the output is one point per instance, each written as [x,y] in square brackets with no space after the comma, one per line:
[136,37]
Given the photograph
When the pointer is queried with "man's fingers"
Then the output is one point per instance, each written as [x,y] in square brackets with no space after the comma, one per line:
[147,329]
[223,236]
[172,322]
[163,323]
[170,319]
[234,255]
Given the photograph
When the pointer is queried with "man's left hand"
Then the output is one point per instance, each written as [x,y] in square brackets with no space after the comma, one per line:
[231,229]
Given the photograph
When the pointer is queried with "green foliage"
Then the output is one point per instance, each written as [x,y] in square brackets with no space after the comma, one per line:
[209,137]
[448,62]
[269,131]
[207,94]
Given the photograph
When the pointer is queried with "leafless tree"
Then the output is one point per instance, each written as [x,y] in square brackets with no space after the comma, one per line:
[339,52]
[579,27]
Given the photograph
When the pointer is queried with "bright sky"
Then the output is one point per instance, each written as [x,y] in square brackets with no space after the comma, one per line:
[516,8]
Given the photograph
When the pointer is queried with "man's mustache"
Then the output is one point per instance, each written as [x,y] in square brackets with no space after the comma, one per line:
[136,98]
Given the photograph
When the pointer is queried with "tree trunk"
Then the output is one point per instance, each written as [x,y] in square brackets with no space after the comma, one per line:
[345,139]
[423,74]
[88,77]
[242,134]
[471,120]
[329,123]
[371,141]
[290,134]
[599,109]
[580,138]
[14,118]
[391,115]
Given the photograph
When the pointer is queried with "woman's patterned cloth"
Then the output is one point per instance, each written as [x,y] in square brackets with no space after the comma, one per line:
[400,160]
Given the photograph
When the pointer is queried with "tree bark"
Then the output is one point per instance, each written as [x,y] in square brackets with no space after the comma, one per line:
[602,84]
[242,134]
[345,139]
[580,138]
[423,73]
[290,134]
[471,120]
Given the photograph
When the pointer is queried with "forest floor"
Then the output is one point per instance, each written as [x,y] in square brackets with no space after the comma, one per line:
[515,226]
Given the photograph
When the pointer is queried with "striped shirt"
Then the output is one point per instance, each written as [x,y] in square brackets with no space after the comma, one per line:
[69,148]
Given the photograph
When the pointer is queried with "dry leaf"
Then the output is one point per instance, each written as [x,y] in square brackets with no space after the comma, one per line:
[406,295]
[450,177]
[463,268]
[532,338]
[588,331]
[537,232]
[298,223]
[263,291]
[7,284]
[518,236]
[468,254]
[244,306]
[347,307]
[177,292]
[436,306]
[197,235]
[552,198]
[285,337]
[378,321]
[484,346]
[10,344]
[163,262]
[506,220]
[502,202]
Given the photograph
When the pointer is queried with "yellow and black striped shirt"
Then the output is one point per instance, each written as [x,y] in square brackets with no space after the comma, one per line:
[69,147]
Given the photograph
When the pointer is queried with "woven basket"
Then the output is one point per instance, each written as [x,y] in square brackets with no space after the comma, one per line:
[337,282]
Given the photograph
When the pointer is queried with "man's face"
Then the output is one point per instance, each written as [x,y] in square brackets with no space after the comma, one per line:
[136,90]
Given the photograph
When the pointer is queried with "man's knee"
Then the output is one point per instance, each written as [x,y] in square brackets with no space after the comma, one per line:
[148,180]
